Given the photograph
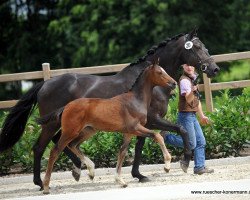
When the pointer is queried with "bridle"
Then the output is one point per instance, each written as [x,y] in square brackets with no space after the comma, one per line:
[189,46]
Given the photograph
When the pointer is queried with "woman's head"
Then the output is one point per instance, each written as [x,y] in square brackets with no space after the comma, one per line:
[188,69]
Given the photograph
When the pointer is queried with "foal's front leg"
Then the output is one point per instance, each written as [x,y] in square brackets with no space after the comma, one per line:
[167,157]
[122,153]
[58,148]
[141,130]
[157,122]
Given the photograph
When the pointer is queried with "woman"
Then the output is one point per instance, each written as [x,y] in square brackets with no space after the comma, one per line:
[190,105]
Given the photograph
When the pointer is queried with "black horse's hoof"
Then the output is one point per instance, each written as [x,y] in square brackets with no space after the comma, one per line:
[39,183]
[144,179]
[76,175]
[184,166]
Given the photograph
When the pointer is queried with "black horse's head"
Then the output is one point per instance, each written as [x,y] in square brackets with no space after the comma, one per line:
[195,53]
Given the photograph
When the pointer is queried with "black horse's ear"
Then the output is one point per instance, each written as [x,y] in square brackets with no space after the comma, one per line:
[192,34]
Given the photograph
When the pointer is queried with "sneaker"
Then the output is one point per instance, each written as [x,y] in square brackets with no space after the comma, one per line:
[205,170]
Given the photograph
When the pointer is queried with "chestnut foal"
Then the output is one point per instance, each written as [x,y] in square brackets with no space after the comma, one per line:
[126,113]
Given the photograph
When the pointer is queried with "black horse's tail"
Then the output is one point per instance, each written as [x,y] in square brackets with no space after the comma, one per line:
[53,116]
[14,124]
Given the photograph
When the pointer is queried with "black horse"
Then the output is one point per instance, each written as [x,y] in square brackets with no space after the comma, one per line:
[58,91]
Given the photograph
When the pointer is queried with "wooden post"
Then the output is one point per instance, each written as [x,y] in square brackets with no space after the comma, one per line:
[46,71]
[208,93]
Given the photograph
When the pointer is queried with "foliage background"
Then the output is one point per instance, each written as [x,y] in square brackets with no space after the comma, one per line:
[96,32]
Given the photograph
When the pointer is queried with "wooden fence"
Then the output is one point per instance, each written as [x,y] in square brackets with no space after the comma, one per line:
[207,87]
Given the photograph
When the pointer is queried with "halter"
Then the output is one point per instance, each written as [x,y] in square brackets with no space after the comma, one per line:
[189,46]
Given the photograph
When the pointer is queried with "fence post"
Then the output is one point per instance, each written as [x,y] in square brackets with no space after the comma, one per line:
[46,71]
[208,93]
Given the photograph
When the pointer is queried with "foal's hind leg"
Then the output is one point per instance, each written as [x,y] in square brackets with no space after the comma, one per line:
[122,153]
[57,149]
[76,172]
[75,148]
[90,165]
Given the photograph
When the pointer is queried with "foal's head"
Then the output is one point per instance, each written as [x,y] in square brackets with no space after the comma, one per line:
[158,76]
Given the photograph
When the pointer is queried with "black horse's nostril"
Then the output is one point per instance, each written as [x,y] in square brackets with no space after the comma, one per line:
[216,70]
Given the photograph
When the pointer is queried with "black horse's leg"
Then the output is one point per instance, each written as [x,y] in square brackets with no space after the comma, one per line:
[137,160]
[77,162]
[39,148]
[44,139]
[161,124]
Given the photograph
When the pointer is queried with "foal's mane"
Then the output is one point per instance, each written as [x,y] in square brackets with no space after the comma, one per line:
[146,65]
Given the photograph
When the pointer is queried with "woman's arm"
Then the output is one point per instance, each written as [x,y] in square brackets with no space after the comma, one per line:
[190,95]
[203,119]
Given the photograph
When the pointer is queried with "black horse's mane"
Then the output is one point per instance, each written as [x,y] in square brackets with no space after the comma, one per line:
[153,49]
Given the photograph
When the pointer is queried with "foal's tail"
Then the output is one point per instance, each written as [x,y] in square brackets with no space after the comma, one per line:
[14,124]
[53,116]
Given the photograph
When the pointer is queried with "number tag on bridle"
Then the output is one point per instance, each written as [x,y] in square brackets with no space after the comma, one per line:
[188,45]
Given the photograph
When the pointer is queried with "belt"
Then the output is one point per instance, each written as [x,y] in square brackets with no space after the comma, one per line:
[193,112]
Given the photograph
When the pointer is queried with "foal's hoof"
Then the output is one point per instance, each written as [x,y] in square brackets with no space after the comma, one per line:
[91,177]
[120,181]
[45,191]
[166,170]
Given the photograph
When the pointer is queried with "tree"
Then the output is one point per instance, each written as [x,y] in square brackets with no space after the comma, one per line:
[97,32]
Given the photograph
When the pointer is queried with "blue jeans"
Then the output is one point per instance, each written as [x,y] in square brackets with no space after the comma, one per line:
[197,140]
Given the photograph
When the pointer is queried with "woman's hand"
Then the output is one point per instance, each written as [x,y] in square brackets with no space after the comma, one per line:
[204,120]
[194,88]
